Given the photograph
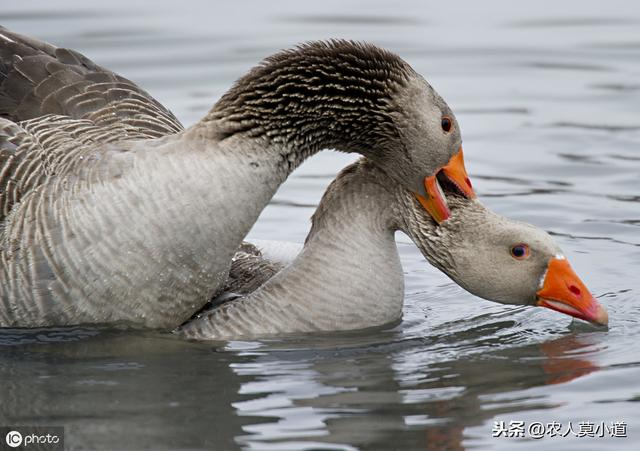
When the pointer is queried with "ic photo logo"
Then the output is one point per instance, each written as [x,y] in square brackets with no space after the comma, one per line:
[13,439]
[50,438]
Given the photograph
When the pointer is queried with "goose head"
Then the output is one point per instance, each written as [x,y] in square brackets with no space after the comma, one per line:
[353,97]
[502,260]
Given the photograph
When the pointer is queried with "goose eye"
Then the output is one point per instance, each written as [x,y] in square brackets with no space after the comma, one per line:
[520,251]
[446,124]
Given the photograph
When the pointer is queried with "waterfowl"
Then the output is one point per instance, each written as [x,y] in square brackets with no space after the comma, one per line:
[348,274]
[111,211]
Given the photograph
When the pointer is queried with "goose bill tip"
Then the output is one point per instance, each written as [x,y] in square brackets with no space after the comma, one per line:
[456,172]
[433,200]
[563,291]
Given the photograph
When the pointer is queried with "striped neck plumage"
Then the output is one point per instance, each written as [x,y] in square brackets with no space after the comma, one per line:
[335,94]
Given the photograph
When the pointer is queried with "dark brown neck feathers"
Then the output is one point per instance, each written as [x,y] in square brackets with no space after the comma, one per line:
[328,94]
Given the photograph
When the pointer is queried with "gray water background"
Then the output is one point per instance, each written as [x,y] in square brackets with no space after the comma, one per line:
[548,97]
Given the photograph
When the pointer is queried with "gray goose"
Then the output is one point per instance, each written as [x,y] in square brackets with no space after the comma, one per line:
[110,211]
[348,274]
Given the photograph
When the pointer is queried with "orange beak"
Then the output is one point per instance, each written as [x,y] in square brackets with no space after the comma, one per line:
[434,201]
[563,291]
[457,174]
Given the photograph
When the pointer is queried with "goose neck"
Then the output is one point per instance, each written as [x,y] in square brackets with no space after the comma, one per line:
[337,96]
[348,276]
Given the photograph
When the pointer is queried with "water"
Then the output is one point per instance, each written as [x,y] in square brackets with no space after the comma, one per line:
[547,96]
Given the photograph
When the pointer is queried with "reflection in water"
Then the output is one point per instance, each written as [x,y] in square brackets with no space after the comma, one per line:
[151,391]
[355,400]
[348,391]
[563,363]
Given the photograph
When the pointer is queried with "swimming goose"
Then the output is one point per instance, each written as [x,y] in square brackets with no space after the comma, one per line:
[109,211]
[348,274]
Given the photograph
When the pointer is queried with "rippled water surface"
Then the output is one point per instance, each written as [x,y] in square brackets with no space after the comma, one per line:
[548,98]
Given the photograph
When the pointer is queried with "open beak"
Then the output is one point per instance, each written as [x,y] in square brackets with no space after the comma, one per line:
[563,291]
[433,199]
[457,174]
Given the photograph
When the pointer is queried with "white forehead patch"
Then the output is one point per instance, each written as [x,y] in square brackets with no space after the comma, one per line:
[541,283]
[560,257]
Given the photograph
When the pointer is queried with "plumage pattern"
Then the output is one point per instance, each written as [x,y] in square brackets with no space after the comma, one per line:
[348,275]
[111,212]
[37,79]
[249,270]
[60,114]
[358,78]
[37,150]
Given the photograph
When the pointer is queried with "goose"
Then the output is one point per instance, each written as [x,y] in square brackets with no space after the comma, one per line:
[348,274]
[111,211]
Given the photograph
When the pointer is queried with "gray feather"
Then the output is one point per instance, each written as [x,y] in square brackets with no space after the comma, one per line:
[37,78]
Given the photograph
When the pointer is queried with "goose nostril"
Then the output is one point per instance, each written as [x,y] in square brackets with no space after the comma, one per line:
[466,179]
[575,290]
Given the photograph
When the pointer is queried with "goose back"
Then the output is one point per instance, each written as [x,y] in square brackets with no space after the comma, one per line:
[38,79]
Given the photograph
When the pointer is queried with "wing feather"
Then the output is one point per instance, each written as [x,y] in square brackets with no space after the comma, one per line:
[37,78]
